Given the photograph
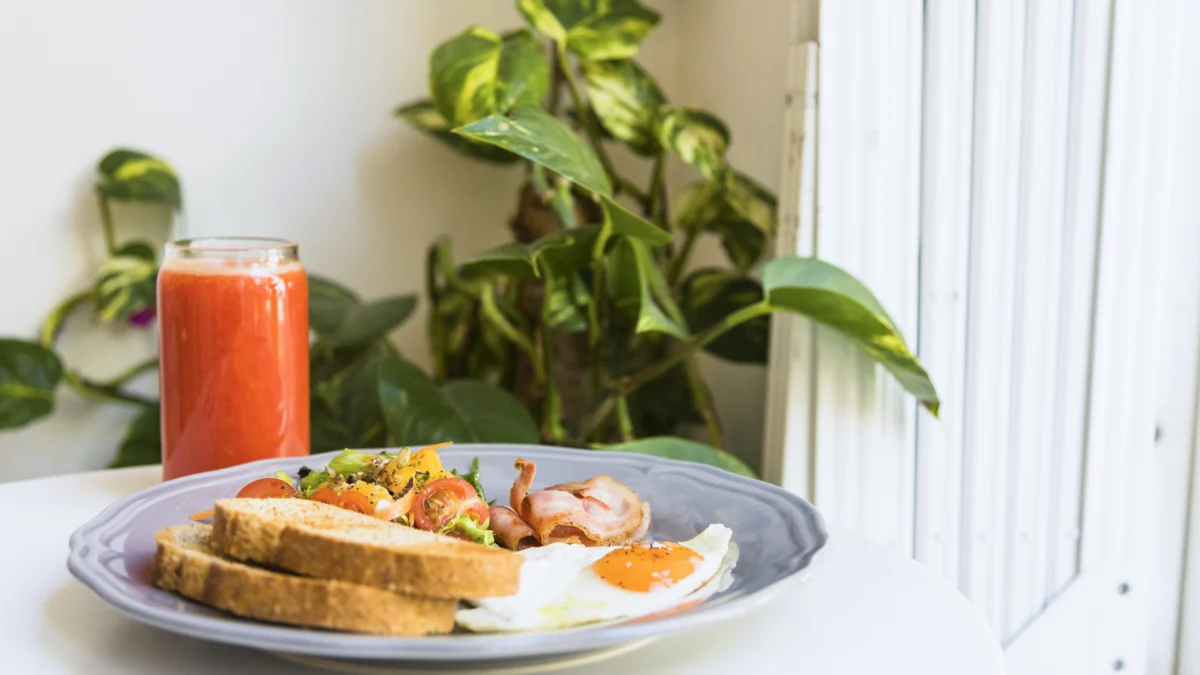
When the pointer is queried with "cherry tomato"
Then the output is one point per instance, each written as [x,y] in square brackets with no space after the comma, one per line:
[325,495]
[352,500]
[443,499]
[267,488]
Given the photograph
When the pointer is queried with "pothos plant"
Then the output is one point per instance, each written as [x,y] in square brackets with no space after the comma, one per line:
[585,329]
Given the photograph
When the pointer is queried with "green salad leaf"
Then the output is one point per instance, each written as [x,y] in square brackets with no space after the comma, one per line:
[472,477]
[351,461]
[309,483]
[478,532]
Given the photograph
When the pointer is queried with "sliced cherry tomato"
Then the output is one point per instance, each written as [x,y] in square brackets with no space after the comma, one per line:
[352,500]
[325,496]
[443,499]
[267,488]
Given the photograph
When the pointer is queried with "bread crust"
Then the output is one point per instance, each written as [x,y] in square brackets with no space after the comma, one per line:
[322,541]
[186,562]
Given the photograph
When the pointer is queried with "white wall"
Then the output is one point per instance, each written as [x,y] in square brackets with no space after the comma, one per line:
[277,115]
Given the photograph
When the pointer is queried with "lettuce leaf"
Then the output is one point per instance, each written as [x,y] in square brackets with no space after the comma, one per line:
[477,532]
[309,483]
[351,461]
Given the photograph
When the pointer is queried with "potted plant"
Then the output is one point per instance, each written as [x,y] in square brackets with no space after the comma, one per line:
[584,330]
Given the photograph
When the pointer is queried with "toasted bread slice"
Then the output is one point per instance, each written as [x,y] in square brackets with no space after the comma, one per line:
[185,561]
[327,542]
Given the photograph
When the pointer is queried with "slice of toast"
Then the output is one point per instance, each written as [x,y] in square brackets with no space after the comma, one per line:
[327,542]
[186,562]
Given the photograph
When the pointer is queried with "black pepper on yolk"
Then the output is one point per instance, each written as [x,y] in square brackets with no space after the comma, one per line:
[645,567]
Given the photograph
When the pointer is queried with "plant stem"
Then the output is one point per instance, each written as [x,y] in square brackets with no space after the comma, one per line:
[131,373]
[514,334]
[657,188]
[598,416]
[110,237]
[702,399]
[54,323]
[451,274]
[556,82]
[624,421]
[581,110]
[630,384]
[680,261]
[102,391]
[437,337]
[552,403]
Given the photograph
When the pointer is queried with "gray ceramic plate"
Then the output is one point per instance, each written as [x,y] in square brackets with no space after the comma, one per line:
[776,532]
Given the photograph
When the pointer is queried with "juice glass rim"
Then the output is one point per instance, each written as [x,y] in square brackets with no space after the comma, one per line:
[250,249]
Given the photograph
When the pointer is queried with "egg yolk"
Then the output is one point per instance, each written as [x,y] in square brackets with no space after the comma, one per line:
[646,567]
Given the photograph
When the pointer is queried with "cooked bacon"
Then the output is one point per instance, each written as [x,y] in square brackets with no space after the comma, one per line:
[598,511]
[512,532]
[520,488]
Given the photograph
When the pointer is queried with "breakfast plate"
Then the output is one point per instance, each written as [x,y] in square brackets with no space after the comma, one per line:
[775,536]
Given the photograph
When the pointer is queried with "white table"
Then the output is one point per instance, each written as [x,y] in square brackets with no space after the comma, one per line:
[865,610]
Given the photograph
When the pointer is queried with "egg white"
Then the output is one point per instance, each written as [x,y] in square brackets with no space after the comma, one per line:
[558,588]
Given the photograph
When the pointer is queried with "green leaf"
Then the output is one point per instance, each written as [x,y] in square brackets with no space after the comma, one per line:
[129,175]
[418,411]
[523,74]
[309,483]
[555,17]
[344,408]
[511,260]
[476,73]
[340,319]
[633,275]
[738,210]
[565,251]
[710,295]
[625,99]
[424,116]
[832,296]
[326,430]
[351,462]
[462,75]
[696,136]
[620,220]
[126,283]
[662,404]
[142,443]
[29,374]
[613,34]
[472,477]
[751,201]
[472,529]
[680,448]
[534,134]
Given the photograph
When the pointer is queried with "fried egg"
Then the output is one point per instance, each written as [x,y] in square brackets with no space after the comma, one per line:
[565,585]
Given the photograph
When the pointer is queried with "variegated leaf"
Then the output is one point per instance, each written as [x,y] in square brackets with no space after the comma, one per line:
[625,98]
[133,176]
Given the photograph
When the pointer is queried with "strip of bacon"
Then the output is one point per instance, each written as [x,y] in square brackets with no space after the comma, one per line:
[598,511]
[512,532]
